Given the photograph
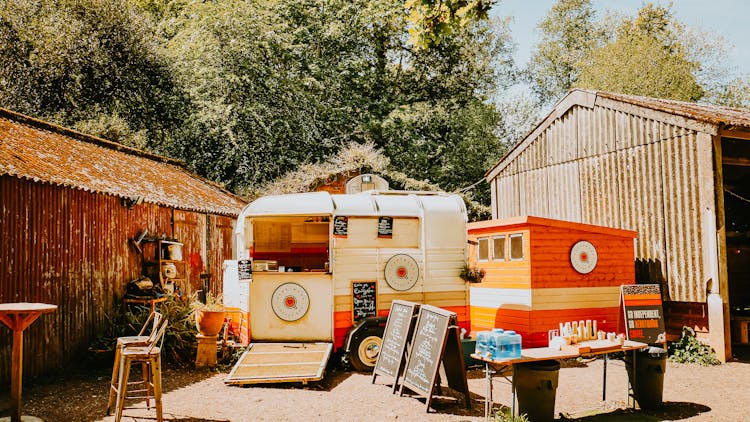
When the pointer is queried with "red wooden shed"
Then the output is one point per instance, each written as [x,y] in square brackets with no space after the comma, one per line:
[540,272]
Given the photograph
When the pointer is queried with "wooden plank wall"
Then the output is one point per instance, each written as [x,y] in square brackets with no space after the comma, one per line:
[71,248]
[620,168]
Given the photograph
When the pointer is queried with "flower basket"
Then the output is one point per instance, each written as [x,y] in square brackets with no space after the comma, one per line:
[472,275]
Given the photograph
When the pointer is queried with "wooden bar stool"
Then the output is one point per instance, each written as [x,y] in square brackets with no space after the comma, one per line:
[154,320]
[151,356]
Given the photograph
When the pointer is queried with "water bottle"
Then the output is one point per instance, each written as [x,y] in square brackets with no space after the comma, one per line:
[482,346]
[497,342]
[508,346]
[515,346]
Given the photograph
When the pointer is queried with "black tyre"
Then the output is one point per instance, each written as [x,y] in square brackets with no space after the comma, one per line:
[364,350]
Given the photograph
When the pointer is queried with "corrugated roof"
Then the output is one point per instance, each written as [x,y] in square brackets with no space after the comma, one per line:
[717,115]
[43,152]
[706,115]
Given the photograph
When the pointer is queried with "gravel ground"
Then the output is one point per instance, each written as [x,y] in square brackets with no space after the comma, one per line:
[691,392]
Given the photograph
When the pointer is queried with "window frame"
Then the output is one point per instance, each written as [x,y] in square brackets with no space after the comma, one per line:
[479,249]
[504,238]
[510,252]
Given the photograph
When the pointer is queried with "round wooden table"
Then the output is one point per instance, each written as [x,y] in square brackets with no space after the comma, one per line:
[18,316]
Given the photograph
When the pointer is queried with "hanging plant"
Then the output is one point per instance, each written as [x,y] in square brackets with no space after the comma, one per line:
[471,274]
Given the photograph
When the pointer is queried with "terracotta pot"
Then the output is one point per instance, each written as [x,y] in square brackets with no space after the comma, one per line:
[209,322]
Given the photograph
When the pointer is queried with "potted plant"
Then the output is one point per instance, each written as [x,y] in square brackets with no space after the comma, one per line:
[209,316]
[471,275]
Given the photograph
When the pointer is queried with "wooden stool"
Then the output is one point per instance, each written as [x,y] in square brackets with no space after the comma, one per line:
[206,354]
[151,355]
[155,319]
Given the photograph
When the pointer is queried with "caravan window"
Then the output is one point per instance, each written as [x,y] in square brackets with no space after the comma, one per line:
[483,249]
[290,243]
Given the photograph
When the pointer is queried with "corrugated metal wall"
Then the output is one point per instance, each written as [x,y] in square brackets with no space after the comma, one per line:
[611,168]
[70,248]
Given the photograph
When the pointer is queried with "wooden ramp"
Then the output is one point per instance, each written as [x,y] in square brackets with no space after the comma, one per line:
[280,362]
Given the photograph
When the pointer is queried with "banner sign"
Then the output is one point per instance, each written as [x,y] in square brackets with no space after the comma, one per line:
[644,316]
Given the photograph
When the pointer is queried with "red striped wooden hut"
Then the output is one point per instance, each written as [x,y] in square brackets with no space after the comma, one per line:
[540,272]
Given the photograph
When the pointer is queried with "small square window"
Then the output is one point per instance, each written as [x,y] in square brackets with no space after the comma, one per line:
[516,247]
[498,248]
[483,249]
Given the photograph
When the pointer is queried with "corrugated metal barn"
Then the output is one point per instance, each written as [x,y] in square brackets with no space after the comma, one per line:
[677,173]
[70,205]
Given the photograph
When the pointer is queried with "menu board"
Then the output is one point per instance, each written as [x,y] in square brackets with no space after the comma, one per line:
[644,317]
[364,299]
[385,227]
[245,269]
[340,226]
[397,332]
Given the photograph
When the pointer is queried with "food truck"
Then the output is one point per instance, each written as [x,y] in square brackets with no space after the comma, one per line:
[320,269]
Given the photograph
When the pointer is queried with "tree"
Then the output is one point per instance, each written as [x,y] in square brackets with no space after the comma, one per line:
[433,19]
[92,64]
[734,93]
[569,32]
[645,58]
[280,84]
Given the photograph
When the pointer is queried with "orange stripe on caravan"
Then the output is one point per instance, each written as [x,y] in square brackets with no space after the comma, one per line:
[643,297]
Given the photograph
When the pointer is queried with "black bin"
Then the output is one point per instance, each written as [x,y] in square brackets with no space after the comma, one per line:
[536,388]
[647,378]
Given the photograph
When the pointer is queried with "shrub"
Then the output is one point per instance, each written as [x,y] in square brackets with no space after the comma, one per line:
[507,416]
[690,350]
[179,340]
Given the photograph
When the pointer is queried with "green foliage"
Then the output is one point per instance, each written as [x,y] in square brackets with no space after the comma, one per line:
[212,302]
[568,34]
[508,416]
[641,65]
[93,62]
[244,92]
[690,350]
[471,275]
[646,57]
[179,340]
[431,20]
[280,85]
[734,93]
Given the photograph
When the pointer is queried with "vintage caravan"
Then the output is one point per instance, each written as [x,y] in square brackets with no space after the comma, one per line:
[317,268]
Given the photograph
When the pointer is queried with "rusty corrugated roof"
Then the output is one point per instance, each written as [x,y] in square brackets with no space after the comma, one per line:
[717,115]
[44,152]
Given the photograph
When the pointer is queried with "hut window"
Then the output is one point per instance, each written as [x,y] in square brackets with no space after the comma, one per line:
[498,248]
[516,247]
[483,250]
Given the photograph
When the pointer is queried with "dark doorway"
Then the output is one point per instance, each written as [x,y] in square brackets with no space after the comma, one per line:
[736,169]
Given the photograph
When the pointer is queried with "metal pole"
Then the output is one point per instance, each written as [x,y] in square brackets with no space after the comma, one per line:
[604,383]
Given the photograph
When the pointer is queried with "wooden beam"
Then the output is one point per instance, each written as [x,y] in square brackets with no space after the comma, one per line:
[736,161]
[735,132]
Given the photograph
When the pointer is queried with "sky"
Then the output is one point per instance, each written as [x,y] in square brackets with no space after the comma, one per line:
[727,18]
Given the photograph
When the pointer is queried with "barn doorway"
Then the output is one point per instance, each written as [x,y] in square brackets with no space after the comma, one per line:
[736,172]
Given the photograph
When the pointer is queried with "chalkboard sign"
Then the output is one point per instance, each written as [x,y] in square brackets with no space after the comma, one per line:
[397,332]
[364,299]
[385,227]
[644,317]
[340,226]
[435,340]
[245,269]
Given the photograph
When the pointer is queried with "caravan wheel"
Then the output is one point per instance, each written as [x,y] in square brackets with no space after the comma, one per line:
[365,350]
